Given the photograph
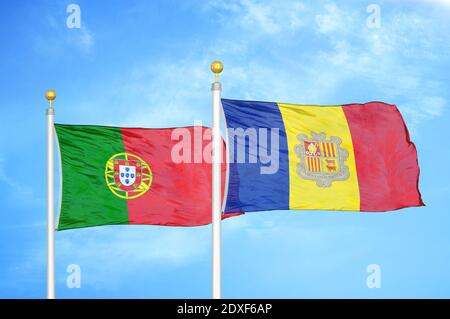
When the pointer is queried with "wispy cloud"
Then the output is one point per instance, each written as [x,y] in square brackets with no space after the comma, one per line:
[84,40]
[332,20]
[349,52]
[317,52]
[322,49]
[170,93]
[441,3]
[426,108]
[261,17]
[59,38]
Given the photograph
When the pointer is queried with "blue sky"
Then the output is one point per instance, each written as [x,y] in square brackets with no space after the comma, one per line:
[146,63]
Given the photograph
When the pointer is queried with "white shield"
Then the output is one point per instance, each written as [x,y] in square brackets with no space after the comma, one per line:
[127,174]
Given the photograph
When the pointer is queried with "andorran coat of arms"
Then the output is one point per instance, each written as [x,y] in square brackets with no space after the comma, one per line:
[321,160]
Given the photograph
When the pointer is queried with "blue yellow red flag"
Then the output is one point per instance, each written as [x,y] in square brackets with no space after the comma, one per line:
[354,157]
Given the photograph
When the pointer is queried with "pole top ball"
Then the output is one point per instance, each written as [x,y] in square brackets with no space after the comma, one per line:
[216,67]
[50,95]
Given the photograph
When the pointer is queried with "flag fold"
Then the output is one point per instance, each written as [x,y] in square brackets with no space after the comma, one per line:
[355,157]
[116,176]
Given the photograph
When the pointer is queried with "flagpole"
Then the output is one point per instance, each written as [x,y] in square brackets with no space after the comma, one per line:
[50,95]
[216,88]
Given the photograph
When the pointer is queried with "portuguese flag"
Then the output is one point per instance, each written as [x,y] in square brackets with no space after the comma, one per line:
[116,176]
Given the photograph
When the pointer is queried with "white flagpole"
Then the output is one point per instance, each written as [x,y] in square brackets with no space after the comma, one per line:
[216,68]
[50,95]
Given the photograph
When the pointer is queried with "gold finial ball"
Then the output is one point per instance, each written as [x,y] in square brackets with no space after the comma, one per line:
[216,67]
[50,95]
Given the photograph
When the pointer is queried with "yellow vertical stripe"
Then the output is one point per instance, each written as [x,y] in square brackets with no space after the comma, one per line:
[304,193]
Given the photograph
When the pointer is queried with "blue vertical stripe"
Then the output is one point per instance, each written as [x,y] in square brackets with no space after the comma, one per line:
[248,189]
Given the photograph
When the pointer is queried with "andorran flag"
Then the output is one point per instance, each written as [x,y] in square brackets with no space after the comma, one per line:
[356,157]
[116,176]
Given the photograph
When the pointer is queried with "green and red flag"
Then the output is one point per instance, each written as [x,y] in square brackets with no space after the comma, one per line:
[116,176]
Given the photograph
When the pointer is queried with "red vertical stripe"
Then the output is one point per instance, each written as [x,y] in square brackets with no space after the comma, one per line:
[324,150]
[328,149]
[386,159]
[332,149]
[309,164]
[318,165]
[180,193]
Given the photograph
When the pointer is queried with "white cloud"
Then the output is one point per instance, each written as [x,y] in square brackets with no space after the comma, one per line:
[163,93]
[60,38]
[261,17]
[168,94]
[347,50]
[389,58]
[423,109]
[84,39]
[443,3]
[332,20]
[434,106]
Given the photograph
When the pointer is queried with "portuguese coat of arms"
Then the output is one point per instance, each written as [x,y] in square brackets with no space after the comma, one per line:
[321,160]
[128,176]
